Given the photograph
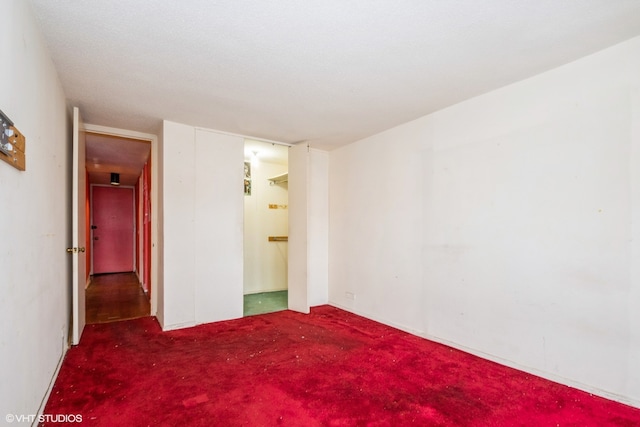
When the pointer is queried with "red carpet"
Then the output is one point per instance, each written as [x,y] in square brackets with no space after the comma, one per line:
[329,368]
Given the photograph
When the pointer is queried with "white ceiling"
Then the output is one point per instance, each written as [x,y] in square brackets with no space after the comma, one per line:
[325,72]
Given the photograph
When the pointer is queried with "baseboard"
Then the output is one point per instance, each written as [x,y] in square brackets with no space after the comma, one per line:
[377,319]
[533,371]
[178,326]
[543,374]
[52,382]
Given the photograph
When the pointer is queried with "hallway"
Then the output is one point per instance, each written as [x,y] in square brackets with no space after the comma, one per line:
[113,297]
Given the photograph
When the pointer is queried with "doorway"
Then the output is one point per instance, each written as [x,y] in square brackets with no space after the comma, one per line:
[265,227]
[119,240]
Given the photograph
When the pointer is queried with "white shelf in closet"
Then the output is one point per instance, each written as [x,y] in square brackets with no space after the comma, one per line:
[279,178]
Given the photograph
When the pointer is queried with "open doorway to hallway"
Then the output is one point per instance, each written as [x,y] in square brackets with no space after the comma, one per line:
[265,227]
[118,227]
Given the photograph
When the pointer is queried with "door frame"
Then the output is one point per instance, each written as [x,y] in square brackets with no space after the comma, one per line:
[155,181]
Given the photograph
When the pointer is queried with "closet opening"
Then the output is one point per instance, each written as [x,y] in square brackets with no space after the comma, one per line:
[266,223]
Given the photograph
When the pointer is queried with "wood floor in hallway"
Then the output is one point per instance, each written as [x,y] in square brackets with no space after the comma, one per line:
[113,297]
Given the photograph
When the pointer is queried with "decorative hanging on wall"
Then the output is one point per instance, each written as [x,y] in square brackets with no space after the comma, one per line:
[12,144]
[247,178]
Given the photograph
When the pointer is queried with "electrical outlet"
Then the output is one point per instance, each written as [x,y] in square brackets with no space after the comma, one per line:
[350,295]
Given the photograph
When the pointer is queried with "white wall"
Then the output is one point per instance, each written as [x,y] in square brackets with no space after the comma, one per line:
[265,263]
[375,226]
[178,226]
[201,226]
[505,224]
[35,283]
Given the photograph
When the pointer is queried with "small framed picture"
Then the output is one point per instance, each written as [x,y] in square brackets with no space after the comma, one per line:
[247,178]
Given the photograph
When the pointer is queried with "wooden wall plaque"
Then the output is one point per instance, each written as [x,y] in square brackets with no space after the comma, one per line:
[16,156]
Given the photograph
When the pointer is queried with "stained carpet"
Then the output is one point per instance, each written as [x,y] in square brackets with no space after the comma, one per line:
[328,368]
